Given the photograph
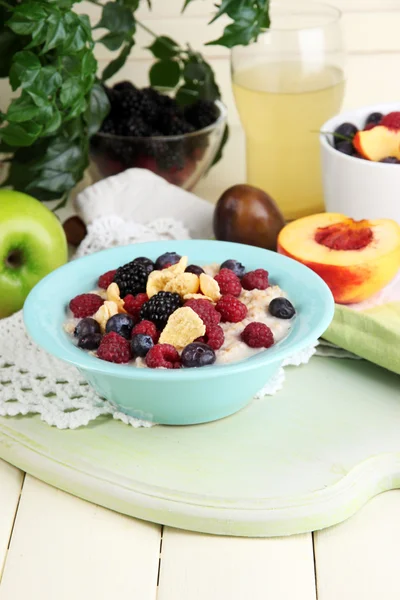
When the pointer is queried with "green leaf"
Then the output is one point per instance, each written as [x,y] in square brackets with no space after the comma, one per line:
[164,47]
[16,134]
[116,18]
[38,35]
[113,40]
[115,65]
[165,73]
[22,109]
[56,33]
[71,91]
[77,39]
[187,94]
[88,64]
[98,108]
[10,44]
[48,81]
[77,108]
[54,122]
[236,34]
[26,16]
[195,72]
[24,70]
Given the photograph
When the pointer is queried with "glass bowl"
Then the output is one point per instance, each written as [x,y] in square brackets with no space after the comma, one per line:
[180,159]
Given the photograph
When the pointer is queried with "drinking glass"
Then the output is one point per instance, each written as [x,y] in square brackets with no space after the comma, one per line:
[286,85]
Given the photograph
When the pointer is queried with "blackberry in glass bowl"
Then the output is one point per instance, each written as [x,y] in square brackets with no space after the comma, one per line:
[149,130]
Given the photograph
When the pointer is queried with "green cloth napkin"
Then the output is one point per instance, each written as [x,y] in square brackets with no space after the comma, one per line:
[373,334]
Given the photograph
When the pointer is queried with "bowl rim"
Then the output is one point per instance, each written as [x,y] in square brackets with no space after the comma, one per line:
[85,361]
[222,117]
[363,111]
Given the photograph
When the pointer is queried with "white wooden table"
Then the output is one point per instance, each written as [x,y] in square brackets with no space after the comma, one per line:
[54,546]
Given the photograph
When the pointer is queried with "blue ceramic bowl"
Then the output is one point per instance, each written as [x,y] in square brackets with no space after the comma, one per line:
[185,396]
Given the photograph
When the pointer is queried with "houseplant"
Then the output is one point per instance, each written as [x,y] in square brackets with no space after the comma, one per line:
[47,54]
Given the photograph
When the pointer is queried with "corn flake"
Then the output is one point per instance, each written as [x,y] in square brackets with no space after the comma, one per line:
[179,267]
[210,287]
[197,297]
[182,328]
[157,281]
[107,310]
[113,295]
[184,283]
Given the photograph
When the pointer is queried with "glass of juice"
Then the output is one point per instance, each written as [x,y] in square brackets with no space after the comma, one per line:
[286,85]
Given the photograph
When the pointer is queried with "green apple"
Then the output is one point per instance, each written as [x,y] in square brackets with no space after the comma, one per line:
[32,243]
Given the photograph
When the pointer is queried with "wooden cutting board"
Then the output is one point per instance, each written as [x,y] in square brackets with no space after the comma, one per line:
[304,459]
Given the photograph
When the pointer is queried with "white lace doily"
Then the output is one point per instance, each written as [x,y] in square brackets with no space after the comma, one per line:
[32,381]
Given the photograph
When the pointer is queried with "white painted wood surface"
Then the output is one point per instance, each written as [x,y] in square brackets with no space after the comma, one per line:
[359,559]
[11,480]
[65,548]
[199,567]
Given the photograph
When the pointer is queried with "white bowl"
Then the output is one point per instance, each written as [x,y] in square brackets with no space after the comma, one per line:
[360,189]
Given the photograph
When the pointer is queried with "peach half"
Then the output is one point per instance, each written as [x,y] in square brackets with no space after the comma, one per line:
[355,258]
[378,143]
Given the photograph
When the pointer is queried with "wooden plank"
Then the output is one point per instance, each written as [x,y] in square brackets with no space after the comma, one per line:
[195,567]
[66,548]
[11,480]
[360,557]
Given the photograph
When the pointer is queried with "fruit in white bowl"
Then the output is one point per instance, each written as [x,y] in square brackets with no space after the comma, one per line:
[32,244]
[352,184]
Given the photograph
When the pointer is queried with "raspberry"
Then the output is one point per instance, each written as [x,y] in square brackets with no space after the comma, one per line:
[205,310]
[106,279]
[255,280]
[231,309]
[214,337]
[228,282]
[163,355]
[257,335]
[114,348]
[146,328]
[392,120]
[85,305]
[133,304]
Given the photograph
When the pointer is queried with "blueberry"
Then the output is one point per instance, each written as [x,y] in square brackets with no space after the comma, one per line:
[281,308]
[390,159]
[235,266]
[197,354]
[345,130]
[166,259]
[121,324]
[91,341]
[141,344]
[145,262]
[194,269]
[375,118]
[86,326]
[345,148]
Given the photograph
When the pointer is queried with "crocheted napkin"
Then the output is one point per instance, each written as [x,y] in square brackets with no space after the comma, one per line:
[135,206]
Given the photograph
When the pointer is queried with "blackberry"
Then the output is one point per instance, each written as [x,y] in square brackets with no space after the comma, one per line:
[124,86]
[201,113]
[170,156]
[108,126]
[134,127]
[129,103]
[160,307]
[131,279]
